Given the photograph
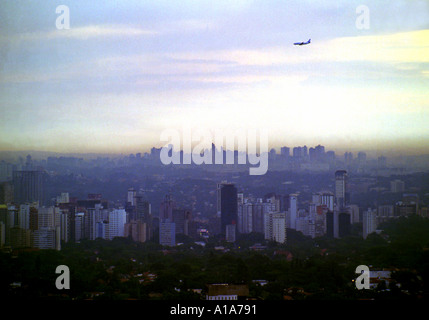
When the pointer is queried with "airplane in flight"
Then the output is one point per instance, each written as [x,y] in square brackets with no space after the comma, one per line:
[302,43]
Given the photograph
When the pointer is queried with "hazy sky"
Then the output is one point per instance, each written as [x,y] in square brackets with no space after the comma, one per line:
[126,70]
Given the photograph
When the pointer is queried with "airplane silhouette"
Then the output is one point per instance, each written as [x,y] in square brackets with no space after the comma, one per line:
[302,43]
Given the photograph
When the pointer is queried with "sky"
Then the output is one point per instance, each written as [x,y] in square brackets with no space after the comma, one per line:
[127,70]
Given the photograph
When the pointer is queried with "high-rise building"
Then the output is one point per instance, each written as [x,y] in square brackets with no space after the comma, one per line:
[275,227]
[117,220]
[167,233]
[182,218]
[344,222]
[79,226]
[219,197]
[46,217]
[369,224]
[244,216]
[230,232]
[166,208]
[46,238]
[229,206]
[293,210]
[136,230]
[144,214]
[131,196]
[102,230]
[28,186]
[341,190]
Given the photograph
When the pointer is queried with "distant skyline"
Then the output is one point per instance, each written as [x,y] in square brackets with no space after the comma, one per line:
[125,71]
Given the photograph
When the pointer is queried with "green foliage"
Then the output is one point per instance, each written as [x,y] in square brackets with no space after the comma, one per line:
[321,268]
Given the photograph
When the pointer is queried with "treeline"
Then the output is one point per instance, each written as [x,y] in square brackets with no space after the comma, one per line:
[305,268]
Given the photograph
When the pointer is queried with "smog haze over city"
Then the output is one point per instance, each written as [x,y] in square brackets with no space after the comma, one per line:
[214,150]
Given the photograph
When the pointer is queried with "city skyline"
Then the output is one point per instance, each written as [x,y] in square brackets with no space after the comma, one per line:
[124,73]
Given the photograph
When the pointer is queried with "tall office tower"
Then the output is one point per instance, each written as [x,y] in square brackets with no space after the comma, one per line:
[117,220]
[229,207]
[79,226]
[369,224]
[240,198]
[24,216]
[284,203]
[102,230]
[64,227]
[144,214]
[293,210]
[132,193]
[354,212]
[258,211]
[230,232]
[46,238]
[28,186]
[275,226]
[344,224]
[166,208]
[320,221]
[182,218]
[341,190]
[136,230]
[67,221]
[46,217]
[245,218]
[91,223]
[167,233]
[219,197]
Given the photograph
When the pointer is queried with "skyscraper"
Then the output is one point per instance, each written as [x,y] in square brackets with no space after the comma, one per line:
[229,205]
[293,209]
[369,224]
[341,190]
[166,208]
[117,220]
[167,233]
[131,196]
[275,227]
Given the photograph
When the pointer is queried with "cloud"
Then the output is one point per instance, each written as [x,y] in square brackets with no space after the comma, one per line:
[80,33]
